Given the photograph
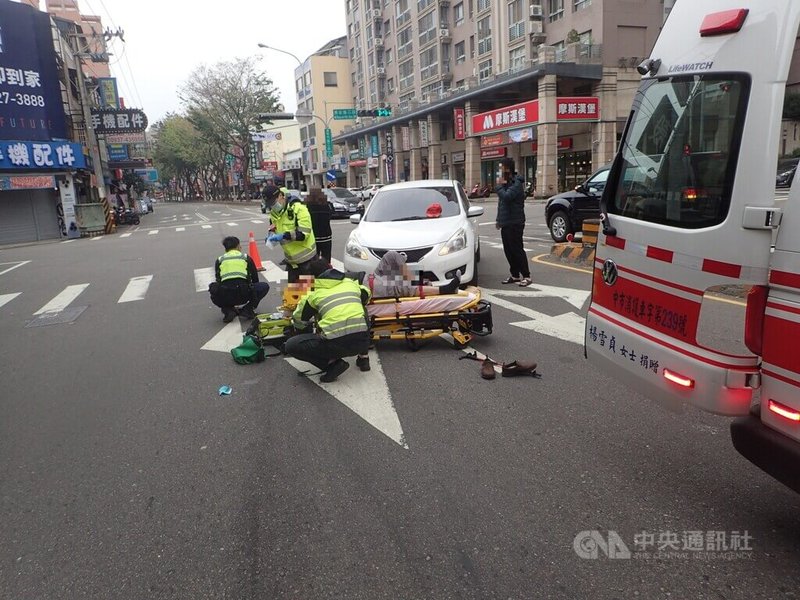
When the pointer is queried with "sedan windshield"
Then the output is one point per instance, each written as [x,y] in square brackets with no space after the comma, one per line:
[342,194]
[412,204]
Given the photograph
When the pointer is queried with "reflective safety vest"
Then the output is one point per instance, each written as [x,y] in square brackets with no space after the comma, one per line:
[337,307]
[295,217]
[233,265]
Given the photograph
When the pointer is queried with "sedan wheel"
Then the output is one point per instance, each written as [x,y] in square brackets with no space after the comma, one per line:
[559,226]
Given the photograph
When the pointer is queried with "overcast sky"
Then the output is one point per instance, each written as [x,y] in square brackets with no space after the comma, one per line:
[166,39]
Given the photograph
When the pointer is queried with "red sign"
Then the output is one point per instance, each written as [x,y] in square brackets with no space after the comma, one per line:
[32,182]
[269,165]
[358,163]
[563,144]
[578,108]
[498,139]
[510,117]
[460,123]
[493,153]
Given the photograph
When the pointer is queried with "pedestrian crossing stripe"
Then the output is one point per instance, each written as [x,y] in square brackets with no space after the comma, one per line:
[124,235]
[6,298]
[14,265]
[62,300]
[206,226]
[152,232]
[180,229]
[136,290]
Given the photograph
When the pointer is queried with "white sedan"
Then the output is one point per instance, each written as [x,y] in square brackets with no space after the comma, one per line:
[427,220]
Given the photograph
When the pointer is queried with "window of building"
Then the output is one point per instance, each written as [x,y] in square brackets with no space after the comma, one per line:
[402,13]
[312,131]
[298,84]
[423,4]
[485,35]
[516,59]
[460,84]
[406,73]
[373,92]
[581,4]
[310,104]
[307,79]
[461,53]
[404,45]
[390,85]
[472,46]
[458,13]
[429,63]
[516,20]
[556,10]
[387,27]
[330,79]
[427,29]
[484,70]
[389,55]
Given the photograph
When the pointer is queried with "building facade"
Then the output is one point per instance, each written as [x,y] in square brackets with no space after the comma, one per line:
[322,85]
[92,28]
[548,83]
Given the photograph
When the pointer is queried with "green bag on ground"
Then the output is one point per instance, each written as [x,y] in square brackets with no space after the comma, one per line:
[248,352]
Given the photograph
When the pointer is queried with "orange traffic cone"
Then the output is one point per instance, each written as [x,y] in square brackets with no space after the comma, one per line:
[253,252]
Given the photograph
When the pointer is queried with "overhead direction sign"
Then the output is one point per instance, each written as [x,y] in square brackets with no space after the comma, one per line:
[344,114]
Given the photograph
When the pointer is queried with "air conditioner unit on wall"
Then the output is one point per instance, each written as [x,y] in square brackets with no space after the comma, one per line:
[536,11]
[381,71]
[376,14]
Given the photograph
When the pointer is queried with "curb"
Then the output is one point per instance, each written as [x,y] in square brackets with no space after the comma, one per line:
[572,253]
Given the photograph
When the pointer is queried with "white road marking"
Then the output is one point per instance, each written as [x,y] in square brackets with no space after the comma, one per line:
[366,394]
[136,290]
[68,241]
[228,337]
[152,232]
[97,237]
[337,264]
[216,212]
[202,217]
[202,277]
[575,297]
[16,265]
[257,222]
[569,326]
[125,235]
[226,214]
[6,298]
[272,272]
[206,226]
[180,229]
[487,223]
[63,300]
[232,224]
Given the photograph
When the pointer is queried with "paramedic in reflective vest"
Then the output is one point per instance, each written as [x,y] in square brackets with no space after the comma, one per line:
[337,305]
[291,225]
[236,282]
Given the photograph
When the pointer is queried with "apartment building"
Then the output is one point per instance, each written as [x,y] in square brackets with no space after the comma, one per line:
[322,84]
[546,82]
[92,27]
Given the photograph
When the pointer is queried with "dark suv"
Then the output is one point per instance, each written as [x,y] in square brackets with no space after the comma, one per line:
[565,212]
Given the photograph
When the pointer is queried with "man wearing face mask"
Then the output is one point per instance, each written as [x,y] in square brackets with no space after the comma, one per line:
[511,222]
[291,227]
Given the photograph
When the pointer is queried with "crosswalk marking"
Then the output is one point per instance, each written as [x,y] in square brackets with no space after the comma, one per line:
[15,265]
[202,277]
[97,237]
[152,232]
[180,229]
[136,290]
[337,264]
[125,235]
[63,300]
[206,226]
[6,298]
[232,224]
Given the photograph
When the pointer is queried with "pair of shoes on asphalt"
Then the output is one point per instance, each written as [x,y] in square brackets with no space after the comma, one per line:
[247,313]
[520,281]
[363,363]
[333,371]
[513,369]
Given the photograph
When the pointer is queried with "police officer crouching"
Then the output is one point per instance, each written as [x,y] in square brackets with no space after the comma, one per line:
[237,282]
[338,306]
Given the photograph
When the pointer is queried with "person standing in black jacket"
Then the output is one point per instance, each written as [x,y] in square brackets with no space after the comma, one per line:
[511,222]
[320,210]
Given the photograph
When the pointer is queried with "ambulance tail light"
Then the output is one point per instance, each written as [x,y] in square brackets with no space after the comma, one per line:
[754,318]
[784,411]
[721,23]
[679,379]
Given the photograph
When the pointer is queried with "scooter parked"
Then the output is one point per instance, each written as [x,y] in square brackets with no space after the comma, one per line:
[479,191]
[126,216]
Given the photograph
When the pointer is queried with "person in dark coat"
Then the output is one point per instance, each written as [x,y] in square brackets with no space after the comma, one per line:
[511,222]
[320,210]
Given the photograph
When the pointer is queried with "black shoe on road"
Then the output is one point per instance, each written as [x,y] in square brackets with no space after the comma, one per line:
[247,314]
[333,371]
[228,315]
[363,363]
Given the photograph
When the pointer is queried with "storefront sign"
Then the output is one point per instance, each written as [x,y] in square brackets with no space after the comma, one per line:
[373,162]
[375,147]
[269,165]
[66,189]
[126,138]
[34,156]
[458,157]
[37,182]
[358,163]
[578,109]
[118,152]
[406,139]
[521,135]
[488,141]
[389,157]
[107,90]
[362,148]
[563,144]
[266,136]
[118,120]
[30,93]
[493,153]
[460,123]
[423,134]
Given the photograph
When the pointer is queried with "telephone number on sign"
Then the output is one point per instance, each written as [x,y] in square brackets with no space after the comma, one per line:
[21,99]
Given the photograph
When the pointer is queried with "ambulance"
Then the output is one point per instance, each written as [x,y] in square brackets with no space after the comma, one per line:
[690,205]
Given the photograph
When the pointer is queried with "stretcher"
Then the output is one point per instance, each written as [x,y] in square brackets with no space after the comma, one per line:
[412,319]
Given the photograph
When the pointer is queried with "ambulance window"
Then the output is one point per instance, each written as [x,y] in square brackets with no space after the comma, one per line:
[680,151]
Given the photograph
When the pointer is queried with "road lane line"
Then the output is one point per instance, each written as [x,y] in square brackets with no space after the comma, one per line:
[6,298]
[203,218]
[17,265]
[125,235]
[63,300]
[180,229]
[206,226]
[152,232]
[257,222]
[136,290]
[202,277]
[232,224]
[68,241]
[97,237]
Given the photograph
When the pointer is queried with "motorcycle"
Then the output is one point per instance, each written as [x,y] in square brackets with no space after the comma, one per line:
[126,216]
[529,189]
[479,191]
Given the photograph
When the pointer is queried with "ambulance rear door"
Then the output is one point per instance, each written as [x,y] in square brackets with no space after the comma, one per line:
[690,200]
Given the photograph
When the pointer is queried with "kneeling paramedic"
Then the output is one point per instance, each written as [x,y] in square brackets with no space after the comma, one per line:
[337,305]
[290,224]
[237,282]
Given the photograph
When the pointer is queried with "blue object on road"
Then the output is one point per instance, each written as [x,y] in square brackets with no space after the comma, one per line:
[225,390]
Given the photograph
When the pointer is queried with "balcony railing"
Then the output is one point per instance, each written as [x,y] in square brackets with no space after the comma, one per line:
[484,46]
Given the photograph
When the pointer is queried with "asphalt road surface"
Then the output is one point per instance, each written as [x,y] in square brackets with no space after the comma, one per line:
[123,473]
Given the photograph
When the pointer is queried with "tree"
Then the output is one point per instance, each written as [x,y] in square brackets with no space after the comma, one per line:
[224,101]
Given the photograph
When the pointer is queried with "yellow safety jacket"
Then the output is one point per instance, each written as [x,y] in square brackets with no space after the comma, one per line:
[233,265]
[337,305]
[293,220]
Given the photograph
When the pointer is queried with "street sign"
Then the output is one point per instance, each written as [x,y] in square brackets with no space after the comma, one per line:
[330,175]
[328,142]
[344,114]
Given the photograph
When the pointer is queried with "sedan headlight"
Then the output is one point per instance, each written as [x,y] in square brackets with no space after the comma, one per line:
[455,244]
[354,249]
[339,205]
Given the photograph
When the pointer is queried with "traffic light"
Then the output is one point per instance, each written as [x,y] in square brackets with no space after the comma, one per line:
[376,112]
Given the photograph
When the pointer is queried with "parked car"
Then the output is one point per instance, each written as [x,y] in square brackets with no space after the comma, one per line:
[369,191]
[430,221]
[343,202]
[565,212]
[785,179]
[357,191]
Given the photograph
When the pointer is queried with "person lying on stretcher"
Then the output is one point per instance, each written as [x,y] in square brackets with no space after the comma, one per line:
[393,279]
